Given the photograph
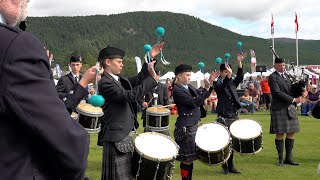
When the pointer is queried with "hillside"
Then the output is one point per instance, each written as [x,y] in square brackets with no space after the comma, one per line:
[187,39]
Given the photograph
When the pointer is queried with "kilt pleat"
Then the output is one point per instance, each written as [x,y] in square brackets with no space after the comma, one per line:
[115,165]
[282,123]
[187,151]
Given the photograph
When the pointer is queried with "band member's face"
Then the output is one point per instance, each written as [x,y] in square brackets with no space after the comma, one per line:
[115,65]
[75,67]
[223,74]
[280,67]
[184,78]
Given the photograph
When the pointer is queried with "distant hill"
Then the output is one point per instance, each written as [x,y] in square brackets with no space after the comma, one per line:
[187,38]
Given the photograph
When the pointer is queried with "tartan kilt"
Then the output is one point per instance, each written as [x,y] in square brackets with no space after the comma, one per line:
[115,164]
[282,123]
[187,151]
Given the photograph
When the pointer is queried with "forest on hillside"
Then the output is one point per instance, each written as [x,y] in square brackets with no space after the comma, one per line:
[187,39]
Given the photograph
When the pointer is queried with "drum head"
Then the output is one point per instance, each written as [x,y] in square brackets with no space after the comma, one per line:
[158,111]
[245,129]
[89,110]
[212,137]
[154,146]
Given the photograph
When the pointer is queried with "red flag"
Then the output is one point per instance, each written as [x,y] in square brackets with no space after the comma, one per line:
[297,24]
[272,24]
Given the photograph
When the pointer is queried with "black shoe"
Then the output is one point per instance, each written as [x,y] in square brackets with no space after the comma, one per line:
[280,163]
[234,170]
[225,169]
[291,162]
[86,178]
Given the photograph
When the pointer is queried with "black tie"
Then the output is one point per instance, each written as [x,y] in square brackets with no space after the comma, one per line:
[76,79]
[283,76]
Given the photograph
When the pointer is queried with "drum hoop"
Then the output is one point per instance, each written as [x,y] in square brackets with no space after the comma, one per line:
[247,138]
[253,153]
[152,158]
[225,160]
[157,113]
[87,113]
[216,150]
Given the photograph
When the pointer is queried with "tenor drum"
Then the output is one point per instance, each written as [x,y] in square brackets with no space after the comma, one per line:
[90,117]
[213,143]
[157,120]
[154,156]
[246,136]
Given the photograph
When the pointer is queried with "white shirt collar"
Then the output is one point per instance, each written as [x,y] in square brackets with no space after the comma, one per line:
[74,75]
[185,86]
[115,77]
[2,19]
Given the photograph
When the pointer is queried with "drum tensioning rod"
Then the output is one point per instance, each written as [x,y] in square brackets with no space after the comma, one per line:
[157,168]
[140,161]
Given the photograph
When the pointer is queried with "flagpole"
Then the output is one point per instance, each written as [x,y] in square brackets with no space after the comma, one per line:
[272,33]
[273,57]
[297,53]
[297,29]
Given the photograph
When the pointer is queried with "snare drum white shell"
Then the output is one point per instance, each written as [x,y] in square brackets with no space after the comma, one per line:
[245,129]
[212,137]
[156,146]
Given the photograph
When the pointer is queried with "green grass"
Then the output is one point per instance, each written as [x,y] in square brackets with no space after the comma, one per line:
[259,166]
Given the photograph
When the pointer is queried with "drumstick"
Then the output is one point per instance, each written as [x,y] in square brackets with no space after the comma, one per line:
[150,101]
[168,105]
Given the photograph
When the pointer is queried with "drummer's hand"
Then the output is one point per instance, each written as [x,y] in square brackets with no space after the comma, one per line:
[156,49]
[88,77]
[152,72]
[213,76]
[206,83]
[145,105]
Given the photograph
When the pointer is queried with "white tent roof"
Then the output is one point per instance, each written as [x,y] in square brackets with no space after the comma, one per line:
[169,75]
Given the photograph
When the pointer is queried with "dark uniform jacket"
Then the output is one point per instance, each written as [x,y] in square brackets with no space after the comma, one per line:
[162,91]
[188,103]
[39,139]
[65,84]
[228,100]
[119,114]
[280,90]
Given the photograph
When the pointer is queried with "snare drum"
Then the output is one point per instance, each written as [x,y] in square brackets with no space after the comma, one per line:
[154,156]
[246,136]
[90,117]
[213,143]
[157,120]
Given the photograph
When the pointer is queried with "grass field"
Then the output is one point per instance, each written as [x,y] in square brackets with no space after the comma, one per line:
[259,166]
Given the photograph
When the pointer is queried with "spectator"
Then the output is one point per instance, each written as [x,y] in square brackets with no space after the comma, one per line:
[312,100]
[253,92]
[265,92]
[246,102]
[211,102]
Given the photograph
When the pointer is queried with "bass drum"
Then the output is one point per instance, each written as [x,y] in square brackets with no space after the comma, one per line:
[154,156]
[213,143]
[246,136]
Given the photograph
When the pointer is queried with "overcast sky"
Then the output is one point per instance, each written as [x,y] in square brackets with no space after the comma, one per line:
[246,17]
